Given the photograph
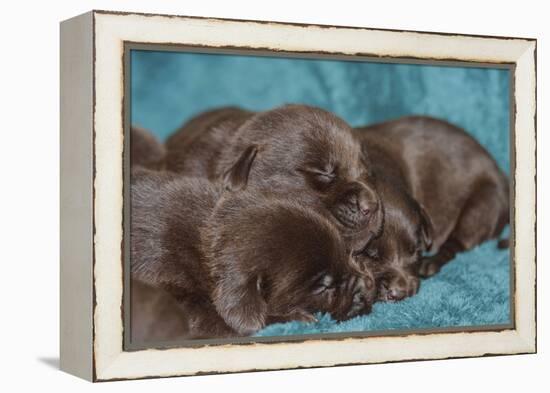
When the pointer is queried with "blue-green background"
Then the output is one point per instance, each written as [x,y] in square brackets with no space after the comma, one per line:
[168,88]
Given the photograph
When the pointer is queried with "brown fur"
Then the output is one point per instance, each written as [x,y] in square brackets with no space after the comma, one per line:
[239,262]
[145,149]
[194,149]
[407,231]
[451,177]
[156,316]
[166,251]
[275,260]
[303,151]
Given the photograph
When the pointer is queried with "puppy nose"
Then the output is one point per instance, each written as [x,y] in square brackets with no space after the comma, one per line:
[360,305]
[359,298]
[396,294]
[366,202]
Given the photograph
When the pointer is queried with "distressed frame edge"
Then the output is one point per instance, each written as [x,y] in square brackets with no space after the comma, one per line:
[525,105]
[525,338]
[305,25]
[76,196]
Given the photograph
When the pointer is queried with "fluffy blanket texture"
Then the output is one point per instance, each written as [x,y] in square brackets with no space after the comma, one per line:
[474,289]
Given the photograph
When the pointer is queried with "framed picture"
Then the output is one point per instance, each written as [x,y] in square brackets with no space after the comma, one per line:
[246,195]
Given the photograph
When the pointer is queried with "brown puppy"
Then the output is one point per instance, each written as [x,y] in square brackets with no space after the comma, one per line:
[463,192]
[407,233]
[273,260]
[303,151]
[145,149]
[257,261]
[167,211]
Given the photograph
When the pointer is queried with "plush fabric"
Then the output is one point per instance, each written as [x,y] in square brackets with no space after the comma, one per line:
[168,88]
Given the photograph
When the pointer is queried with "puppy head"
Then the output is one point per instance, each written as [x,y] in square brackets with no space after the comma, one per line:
[314,155]
[393,256]
[275,259]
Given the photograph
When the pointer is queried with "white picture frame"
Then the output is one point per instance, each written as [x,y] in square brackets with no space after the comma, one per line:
[92,193]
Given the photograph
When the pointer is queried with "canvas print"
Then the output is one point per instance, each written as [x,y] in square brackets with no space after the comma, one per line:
[275,198]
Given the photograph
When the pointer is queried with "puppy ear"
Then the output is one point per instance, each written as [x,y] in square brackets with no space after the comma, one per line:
[236,177]
[240,303]
[426,229]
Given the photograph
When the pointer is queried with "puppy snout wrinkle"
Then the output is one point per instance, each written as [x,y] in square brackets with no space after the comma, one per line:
[362,200]
[367,202]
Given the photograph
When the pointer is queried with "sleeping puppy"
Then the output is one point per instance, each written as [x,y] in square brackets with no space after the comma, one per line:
[145,150]
[167,211]
[451,176]
[393,257]
[273,260]
[233,270]
[303,151]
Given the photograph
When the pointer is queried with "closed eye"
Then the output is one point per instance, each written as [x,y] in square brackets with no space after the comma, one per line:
[325,176]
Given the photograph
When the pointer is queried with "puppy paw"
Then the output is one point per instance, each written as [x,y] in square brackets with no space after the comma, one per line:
[304,316]
[246,326]
[428,267]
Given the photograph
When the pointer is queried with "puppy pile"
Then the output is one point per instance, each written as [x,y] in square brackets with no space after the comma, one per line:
[244,219]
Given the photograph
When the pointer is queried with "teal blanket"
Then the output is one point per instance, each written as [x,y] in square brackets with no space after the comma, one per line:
[168,88]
